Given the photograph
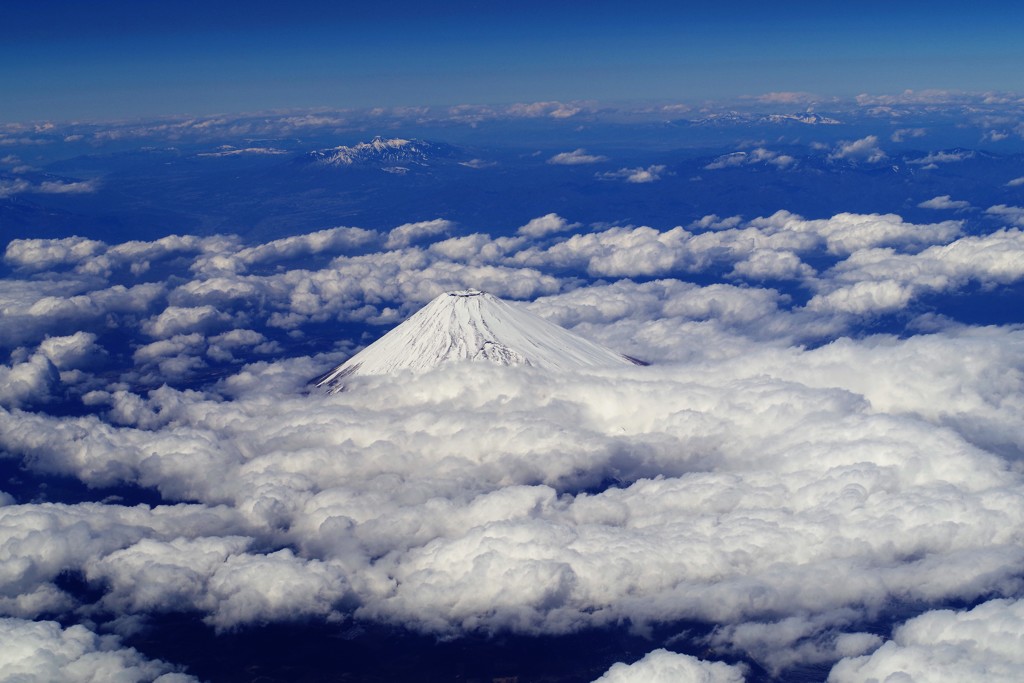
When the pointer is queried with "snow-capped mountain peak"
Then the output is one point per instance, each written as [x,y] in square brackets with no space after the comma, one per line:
[471,325]
[381,151]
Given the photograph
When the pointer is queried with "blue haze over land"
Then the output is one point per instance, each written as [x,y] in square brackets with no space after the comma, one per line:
[107,60]
[807,219]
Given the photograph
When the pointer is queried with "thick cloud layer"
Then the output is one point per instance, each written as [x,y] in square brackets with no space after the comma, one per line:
[43,652]
[982,644]
[662,666]
[777,475]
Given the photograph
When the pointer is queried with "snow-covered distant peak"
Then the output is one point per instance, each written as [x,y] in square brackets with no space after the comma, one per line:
[738,118]
[389,151]
[379,144]
[808,118]
[470,325]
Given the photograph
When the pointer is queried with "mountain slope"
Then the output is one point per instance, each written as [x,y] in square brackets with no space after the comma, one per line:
[472,325]
[380,151]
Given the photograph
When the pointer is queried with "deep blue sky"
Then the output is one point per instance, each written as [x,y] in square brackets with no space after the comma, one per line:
[112,60]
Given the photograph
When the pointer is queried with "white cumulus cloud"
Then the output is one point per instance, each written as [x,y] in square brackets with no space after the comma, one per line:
[545,225]
[44,652]
[980,645]
[778,474]
[407,234]
[576,157]
[865,149]
[662,666]
[944,202]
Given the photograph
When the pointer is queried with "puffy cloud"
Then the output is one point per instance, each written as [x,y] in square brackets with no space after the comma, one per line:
[44,652]
[355,288]
[217,576]
[224,346]
[116,299]
[1013,214]
[175,320]
[865,149]
[175,358]
[662,666]
[1016,182]
[847,233]
[41,254]
[277,586]
[407,234]
[981,644]
[30,381]
[880,280]
[616,252]
[438,478]
[779,481]
[716,222]
[545,225]
[138,255]
[779,645]
[71,351]
[772,265]
[479,249]
[92,257]
[556,110]
[944,202]
[40,541]
[644,251]
[672,320]
[576,157]
[331,241]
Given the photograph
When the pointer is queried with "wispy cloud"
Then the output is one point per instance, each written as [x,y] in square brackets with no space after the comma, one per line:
[944,202]
[228,151]
[636,175]
[1013,214]
[576,157]
[907,133]
[757,156]
[787,98]
[942,157]
[478,163]
[61,187]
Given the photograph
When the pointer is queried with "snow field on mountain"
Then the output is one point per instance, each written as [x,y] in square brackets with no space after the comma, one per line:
[471,325]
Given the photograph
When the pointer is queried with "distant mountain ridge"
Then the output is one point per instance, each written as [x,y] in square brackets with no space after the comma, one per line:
[385,152]
[738,119]
[471,325]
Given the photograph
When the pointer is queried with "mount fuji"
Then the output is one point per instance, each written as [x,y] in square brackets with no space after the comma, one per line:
[471,325]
